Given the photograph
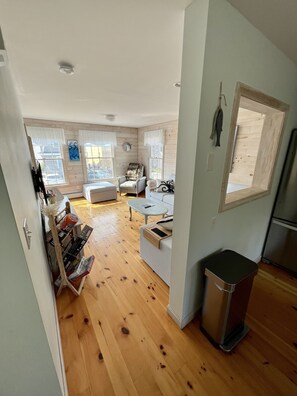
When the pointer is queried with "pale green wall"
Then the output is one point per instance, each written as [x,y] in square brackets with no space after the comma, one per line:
[16,167]
[234,51]
[26,367]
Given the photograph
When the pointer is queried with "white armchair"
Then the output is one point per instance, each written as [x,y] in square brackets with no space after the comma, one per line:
[134,181]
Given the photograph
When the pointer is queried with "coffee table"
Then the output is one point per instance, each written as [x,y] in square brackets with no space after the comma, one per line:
[146,207]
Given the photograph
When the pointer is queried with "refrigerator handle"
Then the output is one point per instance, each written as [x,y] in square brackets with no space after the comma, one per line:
[280,223]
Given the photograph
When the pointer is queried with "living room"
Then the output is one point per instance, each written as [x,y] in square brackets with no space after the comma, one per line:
[75,171]
[212,30]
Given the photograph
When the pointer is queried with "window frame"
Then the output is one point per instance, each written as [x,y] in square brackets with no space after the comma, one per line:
[98,145]
[268,150]
[44,160]
[151,157]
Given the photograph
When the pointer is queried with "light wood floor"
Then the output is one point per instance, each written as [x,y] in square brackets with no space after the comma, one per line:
[118,339]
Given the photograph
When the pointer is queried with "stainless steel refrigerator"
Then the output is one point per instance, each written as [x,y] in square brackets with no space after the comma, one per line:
[281,242]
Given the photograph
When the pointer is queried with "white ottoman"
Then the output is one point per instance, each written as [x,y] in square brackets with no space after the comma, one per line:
[98,192]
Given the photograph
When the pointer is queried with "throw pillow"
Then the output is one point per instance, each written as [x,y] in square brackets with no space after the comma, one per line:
[166,186]
[134,171]
[131,174]
[166,223]
[152,184]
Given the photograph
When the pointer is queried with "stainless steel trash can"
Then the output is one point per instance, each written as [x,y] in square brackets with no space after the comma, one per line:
[229,280]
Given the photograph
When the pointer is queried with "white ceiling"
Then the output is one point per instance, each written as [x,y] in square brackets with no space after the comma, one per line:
[126,55]
[276,19]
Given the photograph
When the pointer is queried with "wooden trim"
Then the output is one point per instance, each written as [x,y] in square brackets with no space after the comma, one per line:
[154,238]
[240,197]
[261,98]
[230,145]
[273,128]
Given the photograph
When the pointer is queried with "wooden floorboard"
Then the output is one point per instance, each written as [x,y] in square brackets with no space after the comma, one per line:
[118,339]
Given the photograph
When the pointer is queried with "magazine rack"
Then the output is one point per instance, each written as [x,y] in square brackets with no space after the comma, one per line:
[63,253]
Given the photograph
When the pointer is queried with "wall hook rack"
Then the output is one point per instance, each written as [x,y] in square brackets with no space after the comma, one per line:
[222,95]
[217,126]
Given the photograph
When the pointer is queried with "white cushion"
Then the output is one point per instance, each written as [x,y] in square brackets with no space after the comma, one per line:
[129,184]
[166,223]
[162,197]
[168,198]
[152,184]
[156,195]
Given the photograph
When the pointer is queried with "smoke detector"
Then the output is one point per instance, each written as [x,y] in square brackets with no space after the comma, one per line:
[66,68]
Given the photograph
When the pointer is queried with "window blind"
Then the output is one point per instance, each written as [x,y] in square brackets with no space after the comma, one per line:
[45,136]
[97,137]
[153,137]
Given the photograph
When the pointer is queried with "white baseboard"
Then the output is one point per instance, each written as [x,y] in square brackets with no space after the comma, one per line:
[173,316]
[182,322]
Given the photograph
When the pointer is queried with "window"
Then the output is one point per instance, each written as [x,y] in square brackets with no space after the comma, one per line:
[155,141]
[47,146]
[255,136]
[51,161]
[99,161]
[156,161]
[98,154]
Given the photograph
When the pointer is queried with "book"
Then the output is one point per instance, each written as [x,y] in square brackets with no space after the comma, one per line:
[86,232]
[76,247]
[82,269]
[62,234]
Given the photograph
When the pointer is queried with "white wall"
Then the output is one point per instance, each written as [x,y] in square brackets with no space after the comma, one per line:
[15,163]
[234,51]
[170,129]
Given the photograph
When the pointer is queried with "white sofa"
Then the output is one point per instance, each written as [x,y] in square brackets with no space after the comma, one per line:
[164,198]
[158,259]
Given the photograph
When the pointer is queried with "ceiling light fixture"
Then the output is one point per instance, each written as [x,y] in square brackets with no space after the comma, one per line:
[110,117]
[177,84]
[66,68]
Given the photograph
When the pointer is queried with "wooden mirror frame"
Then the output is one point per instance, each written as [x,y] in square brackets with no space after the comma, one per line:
[275,113]
[126,146]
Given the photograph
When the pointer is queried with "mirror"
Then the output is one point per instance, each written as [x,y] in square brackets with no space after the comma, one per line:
[126,146]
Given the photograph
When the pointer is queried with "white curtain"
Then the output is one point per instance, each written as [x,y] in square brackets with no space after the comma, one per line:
[45,136]
[97,137]
[154,137]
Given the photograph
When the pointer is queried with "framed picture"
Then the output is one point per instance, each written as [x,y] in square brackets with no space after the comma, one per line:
[73,150]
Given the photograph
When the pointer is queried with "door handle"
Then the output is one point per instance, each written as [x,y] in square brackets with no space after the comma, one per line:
[284,225]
